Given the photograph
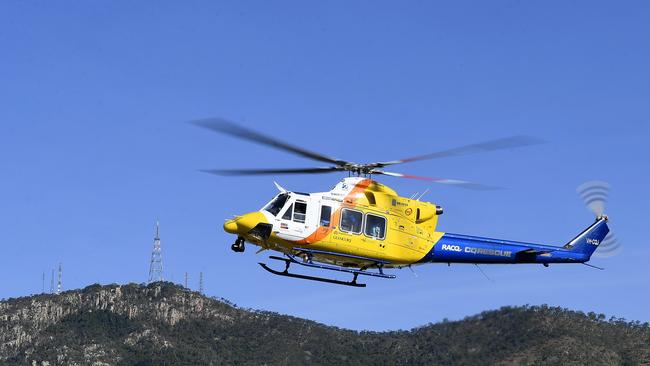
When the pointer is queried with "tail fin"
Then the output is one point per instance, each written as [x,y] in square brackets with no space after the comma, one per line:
[588,240]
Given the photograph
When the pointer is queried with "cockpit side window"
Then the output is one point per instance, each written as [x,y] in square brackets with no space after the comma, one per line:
[276,205]
[288,213]
[300,211]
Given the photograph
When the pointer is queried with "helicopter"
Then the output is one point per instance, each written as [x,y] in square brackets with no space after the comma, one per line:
[362,227]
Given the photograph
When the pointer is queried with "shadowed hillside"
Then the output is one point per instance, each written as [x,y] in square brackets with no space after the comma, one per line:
[164,324]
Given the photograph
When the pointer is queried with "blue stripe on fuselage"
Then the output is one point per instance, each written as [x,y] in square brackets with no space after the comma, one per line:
[454,248]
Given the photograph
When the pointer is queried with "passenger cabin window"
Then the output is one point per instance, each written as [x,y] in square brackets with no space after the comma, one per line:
[300,211]
[375,226]
[325,215]
[351,221]
[276,205]
[287,215]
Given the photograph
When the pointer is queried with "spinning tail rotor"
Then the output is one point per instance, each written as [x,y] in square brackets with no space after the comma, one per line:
[595,194]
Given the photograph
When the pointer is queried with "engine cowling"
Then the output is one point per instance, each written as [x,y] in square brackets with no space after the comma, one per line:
[427,212]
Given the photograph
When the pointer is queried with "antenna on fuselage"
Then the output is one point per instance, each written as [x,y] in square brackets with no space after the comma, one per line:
[422,195]
[412,270]
[481,270]
[592,266]
[279,187]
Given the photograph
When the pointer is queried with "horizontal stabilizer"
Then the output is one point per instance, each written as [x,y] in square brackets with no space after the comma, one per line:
[532,251]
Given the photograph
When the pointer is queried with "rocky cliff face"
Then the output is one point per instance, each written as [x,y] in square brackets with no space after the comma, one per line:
[24,321]
[30,316]
[164,324]
[107,325]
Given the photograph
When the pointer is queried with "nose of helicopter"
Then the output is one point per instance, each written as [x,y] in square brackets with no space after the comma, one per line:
[230,226]
[244,223]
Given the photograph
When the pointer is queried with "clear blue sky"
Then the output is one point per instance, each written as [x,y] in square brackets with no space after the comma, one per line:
[94,148]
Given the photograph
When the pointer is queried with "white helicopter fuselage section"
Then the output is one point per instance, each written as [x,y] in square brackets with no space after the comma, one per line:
[302,215]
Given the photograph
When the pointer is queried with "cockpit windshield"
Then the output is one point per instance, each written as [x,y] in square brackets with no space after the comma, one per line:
[276,205]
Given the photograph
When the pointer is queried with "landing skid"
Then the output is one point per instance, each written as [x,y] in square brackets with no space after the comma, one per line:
[292,259]
[286,273]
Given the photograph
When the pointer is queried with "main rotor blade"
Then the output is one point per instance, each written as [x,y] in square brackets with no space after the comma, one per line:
[454,182]
[491,145]
[229,128]
[231,172]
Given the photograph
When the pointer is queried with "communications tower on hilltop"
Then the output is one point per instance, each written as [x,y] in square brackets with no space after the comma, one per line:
[52,282]
[59,285]
[156,265]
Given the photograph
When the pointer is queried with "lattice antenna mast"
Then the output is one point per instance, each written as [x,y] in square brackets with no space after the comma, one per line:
[58,285]
[200,282]
[156,265]
[52,282]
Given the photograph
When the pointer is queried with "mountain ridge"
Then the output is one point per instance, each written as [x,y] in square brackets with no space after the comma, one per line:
[165,324]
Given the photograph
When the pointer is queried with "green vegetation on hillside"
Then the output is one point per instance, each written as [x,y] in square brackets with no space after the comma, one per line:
[164,324]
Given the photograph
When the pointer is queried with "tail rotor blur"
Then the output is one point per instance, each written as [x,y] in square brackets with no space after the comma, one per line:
[595,195]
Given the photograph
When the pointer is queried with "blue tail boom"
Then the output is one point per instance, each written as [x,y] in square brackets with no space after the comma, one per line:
[454,248]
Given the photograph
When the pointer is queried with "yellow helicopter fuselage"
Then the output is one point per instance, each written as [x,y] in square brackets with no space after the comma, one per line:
[359,217]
